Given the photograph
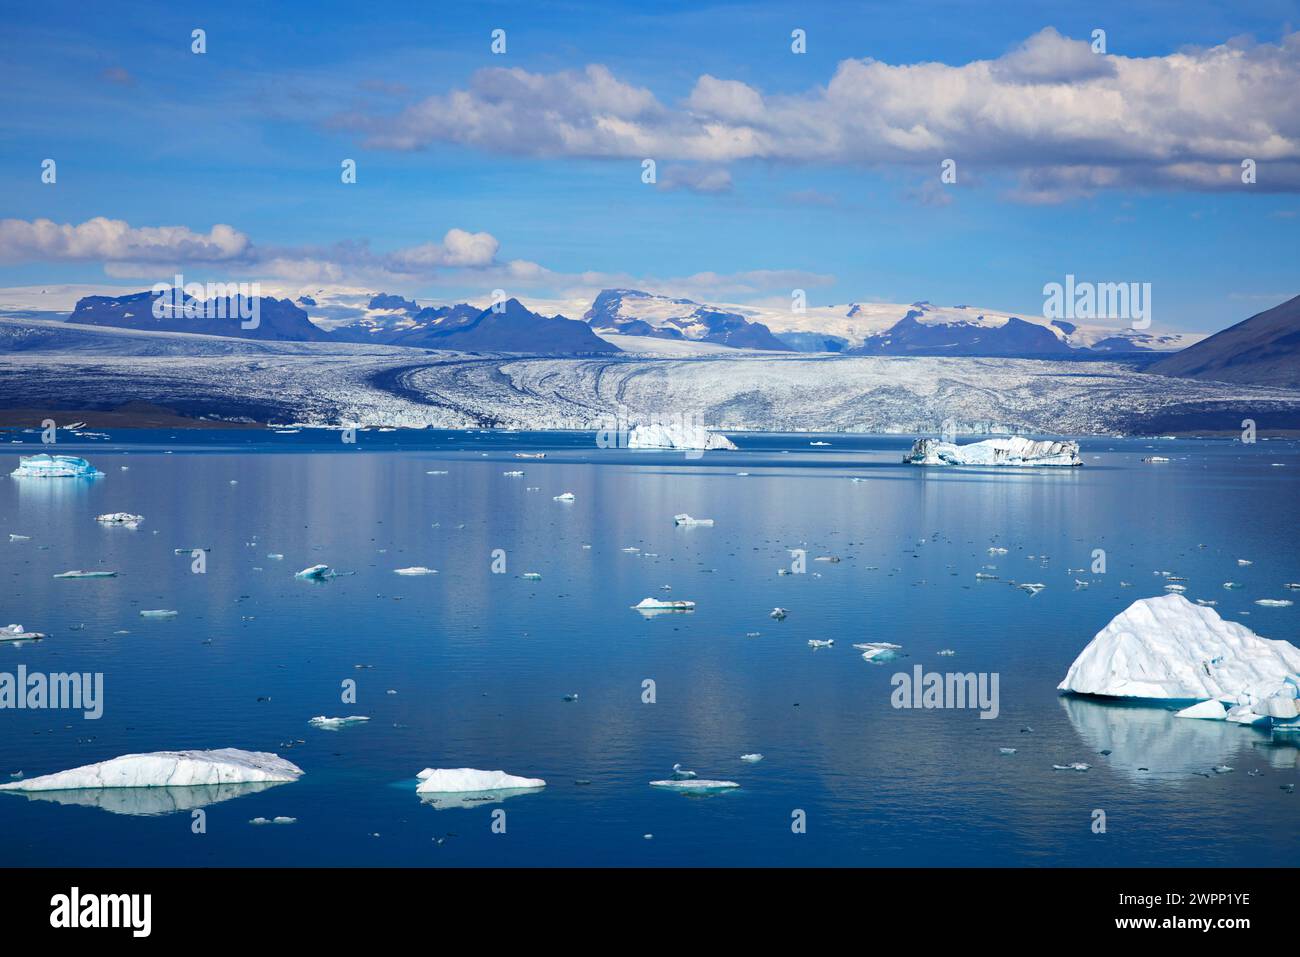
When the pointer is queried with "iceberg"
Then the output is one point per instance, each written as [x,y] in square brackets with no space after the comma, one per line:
[415,570]
[17,633]
[158,613]
[151,801]
[694,785]
[1170,648]
[663,604]
[461,780]
[819,643]
[1013,450]
[677,436]
[78,573]
[752,758]
[157,769]
[684,519]
[315,573]
[54,466]
[120,518]
[564,497]
[334,724]
[878,651]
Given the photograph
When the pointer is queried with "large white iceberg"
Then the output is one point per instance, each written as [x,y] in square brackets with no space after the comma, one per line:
[1013,450]
[677,436]
[1168,647]
[453,780]
[54,466]
[166,769]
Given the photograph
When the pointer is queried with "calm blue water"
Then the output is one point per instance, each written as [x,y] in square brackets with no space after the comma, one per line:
[480,661]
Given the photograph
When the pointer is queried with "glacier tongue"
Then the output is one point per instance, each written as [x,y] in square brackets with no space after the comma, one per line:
[1012,450]
[1167,647]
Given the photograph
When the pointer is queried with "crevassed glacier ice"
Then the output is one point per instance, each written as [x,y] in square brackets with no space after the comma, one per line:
[1168,647]
[54,466]
[1012,450]
[677,436]
[158,769]
[452,780]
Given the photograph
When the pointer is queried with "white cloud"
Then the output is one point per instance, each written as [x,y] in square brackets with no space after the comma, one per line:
[1182,120]
[114,239]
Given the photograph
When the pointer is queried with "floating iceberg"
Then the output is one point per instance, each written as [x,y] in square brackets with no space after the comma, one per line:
[663,604]
[159,613]
[78,573]
[878,651]
[415,570]
[677,436]
[695,786]
[684,519]
[778,613]
[819,643]
[17,633]
[158,769]
[753,758]
[565,497]
[151,801]
[1168,647]
[54,466]
[1013,450]
[315,573]
[334,724]
[460,780]
[120,518]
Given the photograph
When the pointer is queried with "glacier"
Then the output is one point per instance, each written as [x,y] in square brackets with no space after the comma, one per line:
[1012,450]
[1169,648]
[54,466]
[158,769]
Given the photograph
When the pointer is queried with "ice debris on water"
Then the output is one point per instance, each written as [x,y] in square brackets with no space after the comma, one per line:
[1073,766]
[334,724]
[695,786]
[818,643]
[159,613]
[78,573]
[120,518]
[684,519]
[565,497]
[878,651]
[777,613]
[752,758]
[315,573]
[18,633]
[415,570]
[652,605]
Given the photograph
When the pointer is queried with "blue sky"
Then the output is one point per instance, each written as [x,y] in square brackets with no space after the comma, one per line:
[839,194]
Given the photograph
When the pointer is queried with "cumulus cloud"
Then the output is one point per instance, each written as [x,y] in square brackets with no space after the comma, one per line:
[115,239]
[1183,120]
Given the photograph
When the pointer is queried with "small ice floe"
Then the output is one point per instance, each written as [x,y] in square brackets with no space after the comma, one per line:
[833,559]
[818,443]
[1274,602]
[945,653]
[565,497]
[818,643]
[1169,648]
[273,820]
[1074,766]
[530,455]
[1176,589]
[1222,769]
[78,573]
[513,474]
[696,786]
[653,605]
[28,538]
[1032,587]
[1244,561]
[878,651]
[532,576]
[415,570]
[984,576]
[684,519]
[18,633]
[995,550]
[120,518]
[1294,586]
[1231,585]
[315,573]
[1155,459]
[159,613]
[681,774]
[753,758]
[1079,583]
[482,786]
[1209,602]
[54,466]
[275,556]
[157,769]
[334,724]
[1006,750]
[777,613]
[436,472]
[570,697]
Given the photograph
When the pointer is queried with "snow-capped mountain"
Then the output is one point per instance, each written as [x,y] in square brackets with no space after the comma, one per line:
[278,320]
[630,312]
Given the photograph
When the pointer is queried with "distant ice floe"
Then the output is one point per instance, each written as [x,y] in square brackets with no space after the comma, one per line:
[169,769]
[654,605]
[54,466]
[125,519]
[753,758]
[684,519]
[1170,648]
[677,436]
[78,573]
[565,497]
[878,651]
[1013,450]
[415,570]
[159,613]
[466,787]
[694,785]
[18,633]
[335,724]
[315,573]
